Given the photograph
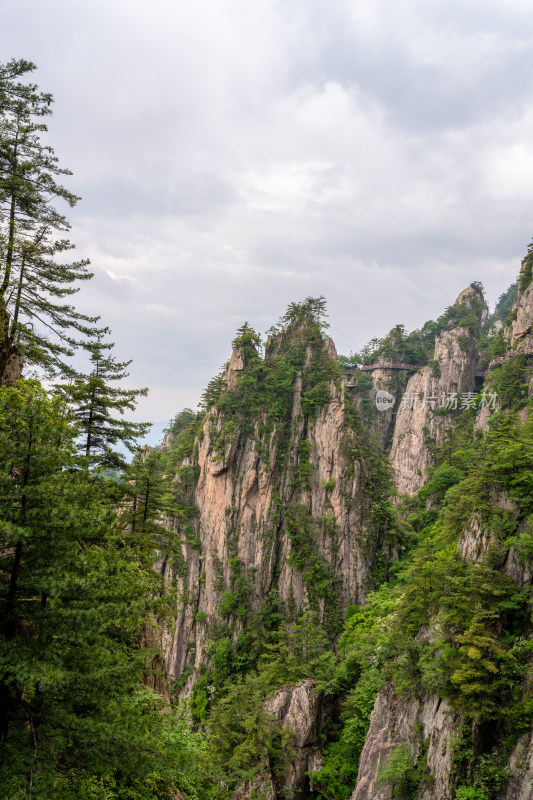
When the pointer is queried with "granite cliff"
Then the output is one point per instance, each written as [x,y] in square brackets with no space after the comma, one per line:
[425,723]
[297,498]
[434,393]
[279,492]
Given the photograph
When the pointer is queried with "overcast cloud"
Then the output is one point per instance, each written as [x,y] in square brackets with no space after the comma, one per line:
[235,155]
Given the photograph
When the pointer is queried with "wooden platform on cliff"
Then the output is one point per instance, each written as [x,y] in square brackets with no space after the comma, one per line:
[350,371]
[371,367]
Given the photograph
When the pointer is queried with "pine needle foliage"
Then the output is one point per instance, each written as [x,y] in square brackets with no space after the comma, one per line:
[99,405]
[35,283]
[76,588]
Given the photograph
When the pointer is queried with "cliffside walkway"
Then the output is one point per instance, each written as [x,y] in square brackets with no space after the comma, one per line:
[519,351]
[496,362]
[350,371]
[371,367]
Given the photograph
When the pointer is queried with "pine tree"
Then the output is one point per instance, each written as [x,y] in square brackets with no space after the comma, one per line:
[35,319]
[58,537]
[149,500]
[74,593]
[96,402]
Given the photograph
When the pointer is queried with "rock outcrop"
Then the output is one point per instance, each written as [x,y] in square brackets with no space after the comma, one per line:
[520,784]
[426,726]
[422,417]
[478,539]
[305,715]
[520,331]
[281,514]
[300,532]
[385,378]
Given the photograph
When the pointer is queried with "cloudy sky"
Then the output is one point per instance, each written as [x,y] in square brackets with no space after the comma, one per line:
[236,155]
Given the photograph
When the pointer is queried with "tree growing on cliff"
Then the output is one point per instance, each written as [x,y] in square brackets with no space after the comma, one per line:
[150,501]
[311,309]
[35,316]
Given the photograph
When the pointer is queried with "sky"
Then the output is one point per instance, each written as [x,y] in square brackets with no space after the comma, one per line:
[234,156]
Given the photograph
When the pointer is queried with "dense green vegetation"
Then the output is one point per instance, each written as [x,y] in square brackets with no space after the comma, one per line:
[479,656]
[478,648]
[251,651]
[98,406]
[78,588]
[260,401]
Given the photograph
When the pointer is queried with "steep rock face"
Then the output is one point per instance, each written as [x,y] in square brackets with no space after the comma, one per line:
[477,539]
[150,640]
[260,787]
[305,714]
[397,720]
[273,515]
[418,427]
[406,720]
[303,710]
[386,377]
[521,329]
[520,785]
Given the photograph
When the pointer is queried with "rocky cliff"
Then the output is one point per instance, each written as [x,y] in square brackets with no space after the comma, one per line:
[435,393]
[286,505]
[425,723]
[520,326]
[427,726]
[422,723]
[305,715]
[276,497]
[384,377]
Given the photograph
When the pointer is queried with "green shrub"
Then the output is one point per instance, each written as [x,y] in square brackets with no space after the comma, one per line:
[229,602]
[470,793]
[399,773]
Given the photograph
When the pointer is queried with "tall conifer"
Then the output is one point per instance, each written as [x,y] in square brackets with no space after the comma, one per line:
[35,318]
[99,406]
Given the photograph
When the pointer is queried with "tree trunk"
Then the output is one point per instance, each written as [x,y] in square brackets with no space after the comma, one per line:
[11,356]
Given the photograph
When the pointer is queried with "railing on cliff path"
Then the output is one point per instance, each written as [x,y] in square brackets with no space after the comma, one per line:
[350,371]
[496,362]
[518,351]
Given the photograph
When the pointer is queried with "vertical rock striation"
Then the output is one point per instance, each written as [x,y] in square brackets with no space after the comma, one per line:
[277,511]
[420,421]
[385,377]
[306,715]
[427,726]
[520,329]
